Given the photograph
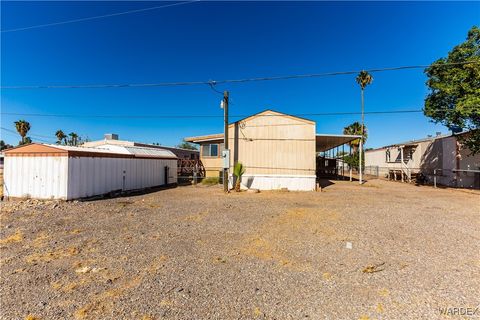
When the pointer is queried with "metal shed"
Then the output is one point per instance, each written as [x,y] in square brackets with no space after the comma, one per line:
[63,172]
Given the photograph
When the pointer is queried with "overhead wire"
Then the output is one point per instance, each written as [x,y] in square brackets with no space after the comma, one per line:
[211,83]
[166,116]
[32,136]
[96,17]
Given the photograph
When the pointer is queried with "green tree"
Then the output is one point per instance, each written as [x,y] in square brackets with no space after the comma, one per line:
[74,139]
[61,137]
[187,145]
[352,160]
[356,129]
[454,97]
[238,171]
[22,127]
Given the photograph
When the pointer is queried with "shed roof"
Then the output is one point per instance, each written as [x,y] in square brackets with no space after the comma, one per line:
[38,149]
[126,143]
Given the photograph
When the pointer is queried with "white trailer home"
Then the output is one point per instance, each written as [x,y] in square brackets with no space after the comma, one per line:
[62,172]
[442,159]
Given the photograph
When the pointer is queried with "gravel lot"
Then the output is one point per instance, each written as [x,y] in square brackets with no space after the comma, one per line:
[195,253]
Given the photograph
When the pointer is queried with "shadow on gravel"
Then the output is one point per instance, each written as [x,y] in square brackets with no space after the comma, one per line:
[129,193]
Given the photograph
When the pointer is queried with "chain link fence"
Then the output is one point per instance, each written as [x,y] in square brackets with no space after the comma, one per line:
[458,178]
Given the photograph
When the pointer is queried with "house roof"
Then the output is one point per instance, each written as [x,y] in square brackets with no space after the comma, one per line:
[38,149]
[273,113]
[414,142]
[209,137]
[264,113]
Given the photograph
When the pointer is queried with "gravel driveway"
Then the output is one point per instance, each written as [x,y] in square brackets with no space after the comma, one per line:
[384,250]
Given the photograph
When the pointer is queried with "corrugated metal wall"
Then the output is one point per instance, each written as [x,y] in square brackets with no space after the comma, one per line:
[65,178]
[93,176]
[36,177]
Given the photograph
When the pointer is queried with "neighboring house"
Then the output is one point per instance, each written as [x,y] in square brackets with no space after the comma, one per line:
[64,172]
[112,139]
[441,156]
[278,151]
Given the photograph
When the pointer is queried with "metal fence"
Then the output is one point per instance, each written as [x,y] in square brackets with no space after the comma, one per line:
[458,178]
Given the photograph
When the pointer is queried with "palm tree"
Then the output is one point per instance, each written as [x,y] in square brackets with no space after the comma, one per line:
[61,137]
[238,171]
[73,138]
[363,79]
[22,127]
[355,129]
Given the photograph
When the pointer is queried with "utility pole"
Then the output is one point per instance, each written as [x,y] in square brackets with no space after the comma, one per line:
[360,177]
[225,137]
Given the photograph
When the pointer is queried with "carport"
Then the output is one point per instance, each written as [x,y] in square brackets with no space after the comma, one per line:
[330,149]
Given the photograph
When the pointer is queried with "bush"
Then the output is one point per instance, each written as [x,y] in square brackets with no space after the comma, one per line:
[352,160]
[210,181]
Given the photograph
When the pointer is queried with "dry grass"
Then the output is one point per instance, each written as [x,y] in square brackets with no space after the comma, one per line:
[16,237]
[291,227]
[196,253]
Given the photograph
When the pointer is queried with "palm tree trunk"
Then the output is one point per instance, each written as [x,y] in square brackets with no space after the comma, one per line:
[360,176]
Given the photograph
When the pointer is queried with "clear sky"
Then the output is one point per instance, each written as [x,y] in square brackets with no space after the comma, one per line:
[223,40]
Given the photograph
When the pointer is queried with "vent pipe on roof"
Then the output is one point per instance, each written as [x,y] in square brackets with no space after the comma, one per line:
[111,136]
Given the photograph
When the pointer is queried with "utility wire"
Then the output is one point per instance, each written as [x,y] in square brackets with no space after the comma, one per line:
[30,134]
[33,136]
[202,116]
[96,17]
[211,83]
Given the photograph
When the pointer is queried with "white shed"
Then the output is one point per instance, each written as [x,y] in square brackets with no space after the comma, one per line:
[62,172]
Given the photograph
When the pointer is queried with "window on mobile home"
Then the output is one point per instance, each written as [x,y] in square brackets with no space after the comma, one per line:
[210,150]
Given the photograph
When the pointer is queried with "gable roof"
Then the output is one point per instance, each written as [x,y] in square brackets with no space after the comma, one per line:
[264,113]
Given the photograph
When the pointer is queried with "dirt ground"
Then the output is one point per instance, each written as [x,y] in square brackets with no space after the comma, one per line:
[383,250]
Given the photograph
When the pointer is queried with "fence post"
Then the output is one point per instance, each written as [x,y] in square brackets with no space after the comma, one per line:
[434,178]
[350,174]
[195,176]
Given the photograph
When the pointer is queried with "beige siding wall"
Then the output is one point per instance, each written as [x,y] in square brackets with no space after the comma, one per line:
[212,166]
[270,145]
[277,145]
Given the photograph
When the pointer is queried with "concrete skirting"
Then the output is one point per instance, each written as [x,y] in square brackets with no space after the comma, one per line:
[276,182]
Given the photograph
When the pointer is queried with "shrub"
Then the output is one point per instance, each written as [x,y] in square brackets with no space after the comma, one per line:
[210,181]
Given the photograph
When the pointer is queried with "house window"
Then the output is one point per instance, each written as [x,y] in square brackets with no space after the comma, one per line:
[210,150]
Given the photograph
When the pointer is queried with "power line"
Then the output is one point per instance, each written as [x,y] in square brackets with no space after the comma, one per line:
[30,134]
[34,136]
[216,82]
[97,17]
[202,116]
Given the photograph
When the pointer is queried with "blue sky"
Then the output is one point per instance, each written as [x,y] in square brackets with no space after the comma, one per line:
[223,40]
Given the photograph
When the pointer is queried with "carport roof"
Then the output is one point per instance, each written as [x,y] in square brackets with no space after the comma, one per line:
[324,142]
